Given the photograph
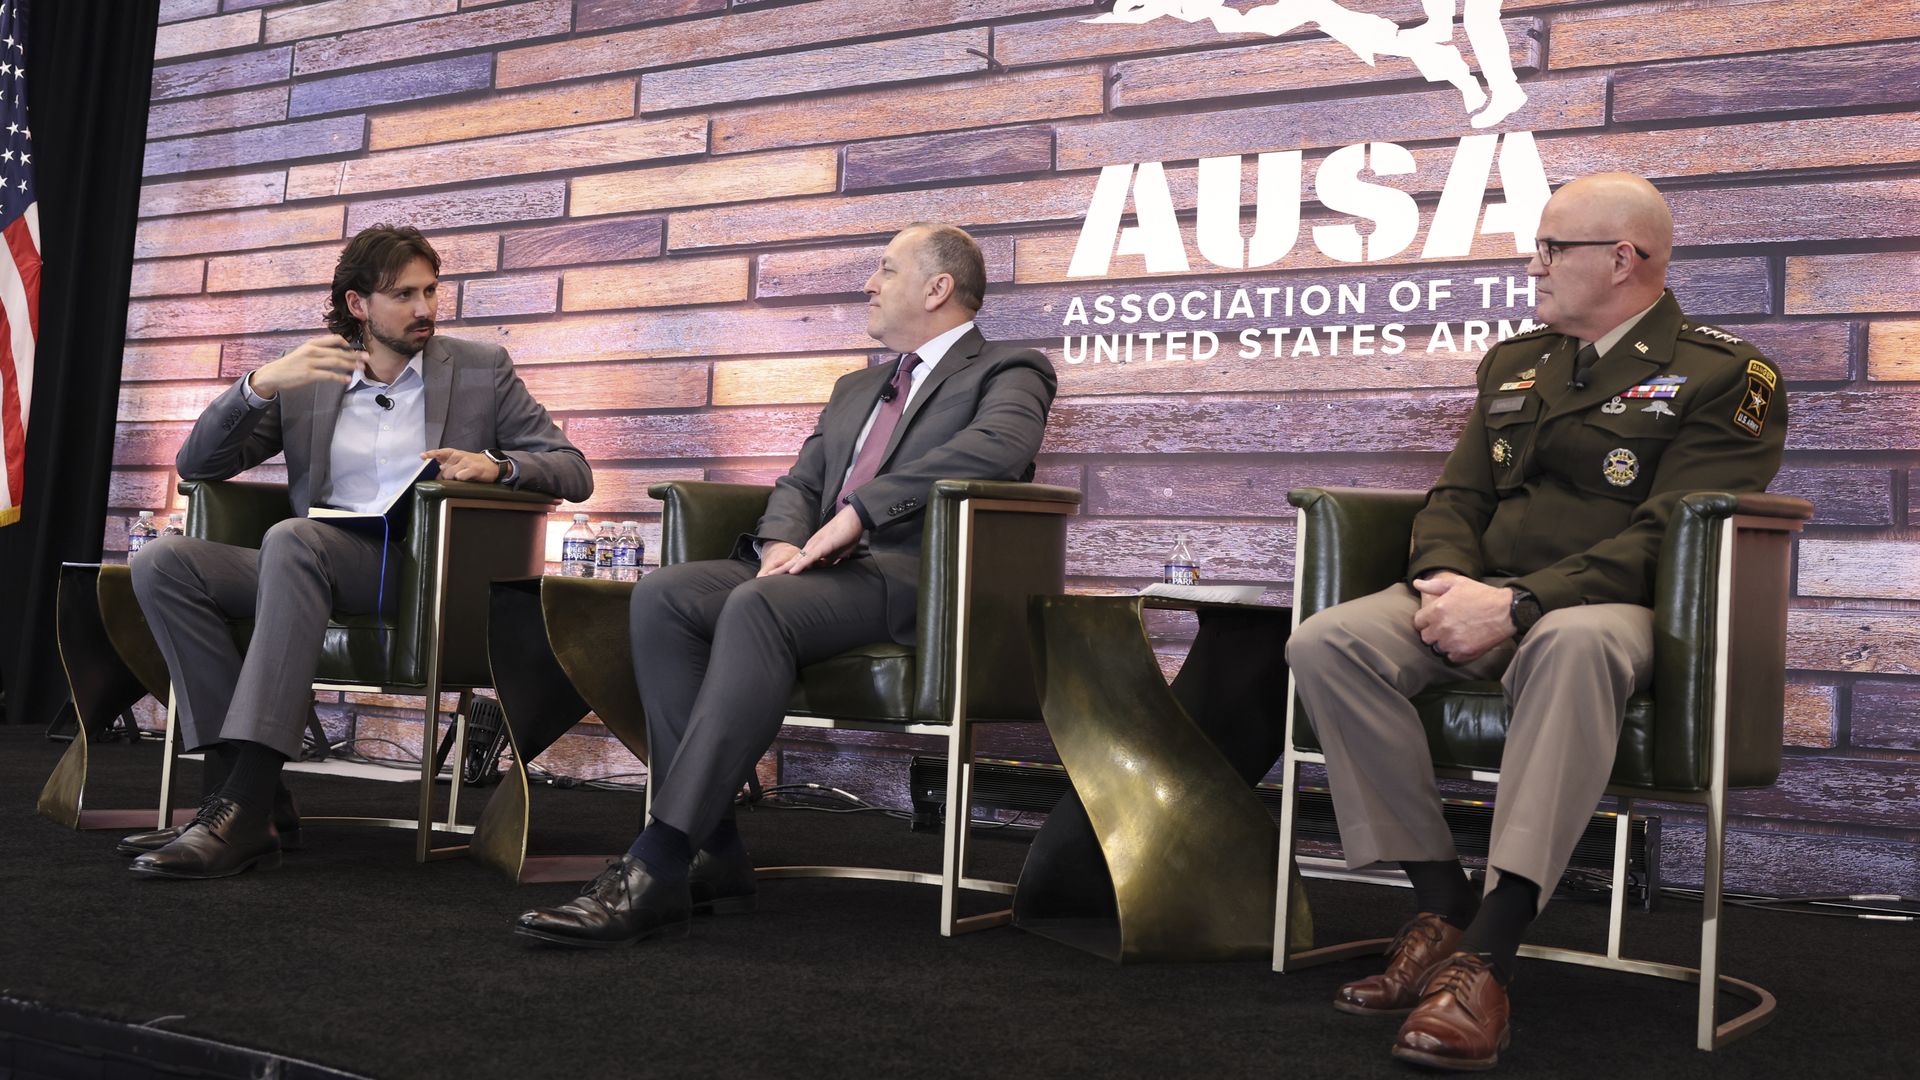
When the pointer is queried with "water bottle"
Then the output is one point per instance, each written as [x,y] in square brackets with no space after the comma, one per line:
[1180,569]
[603,542]
[576,549]
[627,551]
[176,525]
[139,531]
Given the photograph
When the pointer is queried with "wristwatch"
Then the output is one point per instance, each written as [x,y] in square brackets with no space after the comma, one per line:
[1525,610]
[508,470]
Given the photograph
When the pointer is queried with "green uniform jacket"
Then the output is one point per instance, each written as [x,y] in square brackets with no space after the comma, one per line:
[1569,490]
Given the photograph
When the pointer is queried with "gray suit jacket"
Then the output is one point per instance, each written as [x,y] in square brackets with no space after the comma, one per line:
[474,401]
[979,415]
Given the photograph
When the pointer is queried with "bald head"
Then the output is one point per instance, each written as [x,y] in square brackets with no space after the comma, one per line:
[1623,205]
[1615,237]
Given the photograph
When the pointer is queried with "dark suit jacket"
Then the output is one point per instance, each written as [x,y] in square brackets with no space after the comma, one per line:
[978,415]
[474,402]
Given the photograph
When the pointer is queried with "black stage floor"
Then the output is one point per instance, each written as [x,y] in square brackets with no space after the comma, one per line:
[354,957]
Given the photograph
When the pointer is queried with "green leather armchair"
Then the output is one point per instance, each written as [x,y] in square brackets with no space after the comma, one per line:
[433,637]
[1720,606]
[988,546]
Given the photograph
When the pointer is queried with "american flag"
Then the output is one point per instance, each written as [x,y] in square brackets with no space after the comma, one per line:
[20,262]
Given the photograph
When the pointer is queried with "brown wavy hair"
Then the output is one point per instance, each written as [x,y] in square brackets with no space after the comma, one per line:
[370,262]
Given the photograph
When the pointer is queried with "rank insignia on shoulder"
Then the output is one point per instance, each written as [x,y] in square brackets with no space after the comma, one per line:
[1620,467]
[1718,335]
[1750,415]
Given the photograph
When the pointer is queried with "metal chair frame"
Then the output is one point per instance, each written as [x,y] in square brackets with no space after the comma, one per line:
[1708,1034]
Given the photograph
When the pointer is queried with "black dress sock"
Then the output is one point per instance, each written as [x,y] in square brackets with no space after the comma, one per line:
[255,775]
[1503,920]
[666,851]
[215,763]
[724,837]
[1442,888]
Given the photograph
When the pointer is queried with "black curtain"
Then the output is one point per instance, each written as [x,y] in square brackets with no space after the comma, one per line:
[90,63]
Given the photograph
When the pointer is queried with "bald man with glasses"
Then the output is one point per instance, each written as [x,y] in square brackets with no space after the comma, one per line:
[1533,563]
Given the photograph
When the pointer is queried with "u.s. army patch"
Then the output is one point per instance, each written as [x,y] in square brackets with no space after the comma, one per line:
[1621,467]
[1750,415]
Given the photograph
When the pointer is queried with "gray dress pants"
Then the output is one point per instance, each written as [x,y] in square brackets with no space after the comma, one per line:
[302,572]
[1567,681]
[716,651]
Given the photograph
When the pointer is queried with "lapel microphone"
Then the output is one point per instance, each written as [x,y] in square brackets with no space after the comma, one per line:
[383,401]
[890,391]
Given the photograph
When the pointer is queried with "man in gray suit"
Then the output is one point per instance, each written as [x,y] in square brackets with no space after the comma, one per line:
[834,563]
[356,413]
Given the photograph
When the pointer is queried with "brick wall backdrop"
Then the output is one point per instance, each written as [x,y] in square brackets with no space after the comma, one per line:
[665,209]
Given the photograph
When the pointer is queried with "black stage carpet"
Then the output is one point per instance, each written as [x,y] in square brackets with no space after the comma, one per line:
[353,956]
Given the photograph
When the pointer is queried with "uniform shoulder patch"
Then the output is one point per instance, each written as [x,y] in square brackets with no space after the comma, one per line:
[1750,413]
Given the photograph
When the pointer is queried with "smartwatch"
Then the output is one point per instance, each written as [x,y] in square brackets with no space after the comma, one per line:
[1525,610]
[507,468]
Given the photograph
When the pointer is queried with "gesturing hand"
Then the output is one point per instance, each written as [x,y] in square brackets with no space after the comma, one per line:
[321,359]
[463,465]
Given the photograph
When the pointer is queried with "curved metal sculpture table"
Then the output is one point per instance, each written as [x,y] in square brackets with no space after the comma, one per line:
[559,647]
[111,661]
[1162,851]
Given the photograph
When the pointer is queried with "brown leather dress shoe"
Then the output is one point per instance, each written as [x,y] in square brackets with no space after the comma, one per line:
[1461,1021]
[1421,946]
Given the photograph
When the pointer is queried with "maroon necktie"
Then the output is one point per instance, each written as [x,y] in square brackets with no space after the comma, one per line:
[866,464]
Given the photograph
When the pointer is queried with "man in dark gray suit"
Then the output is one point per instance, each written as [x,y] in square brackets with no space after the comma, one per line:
[356,414]
[833,564]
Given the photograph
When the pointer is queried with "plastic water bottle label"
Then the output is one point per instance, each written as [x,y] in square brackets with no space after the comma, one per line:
[135,541]
[580,551]
[1180,574]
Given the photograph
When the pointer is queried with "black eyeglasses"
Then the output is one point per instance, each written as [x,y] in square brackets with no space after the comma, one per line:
[1549,248]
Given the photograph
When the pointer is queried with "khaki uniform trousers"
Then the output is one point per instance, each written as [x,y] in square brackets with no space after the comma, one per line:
[1357,665]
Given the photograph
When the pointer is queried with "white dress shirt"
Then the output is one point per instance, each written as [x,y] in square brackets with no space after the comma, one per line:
[375,451]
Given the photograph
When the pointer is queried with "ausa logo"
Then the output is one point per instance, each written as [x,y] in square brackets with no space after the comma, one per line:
[1428,45]
[1338,182]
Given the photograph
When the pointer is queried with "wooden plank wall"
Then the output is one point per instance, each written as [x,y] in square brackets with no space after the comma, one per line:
[665,209]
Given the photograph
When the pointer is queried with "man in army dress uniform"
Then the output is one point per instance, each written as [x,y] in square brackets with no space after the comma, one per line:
[1533,562]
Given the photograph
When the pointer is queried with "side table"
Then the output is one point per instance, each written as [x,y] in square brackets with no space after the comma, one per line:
[1162,851]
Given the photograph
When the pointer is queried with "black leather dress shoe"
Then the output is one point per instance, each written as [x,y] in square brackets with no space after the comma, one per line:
[722,882]
[223,839]
[286,822]
[625,904]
